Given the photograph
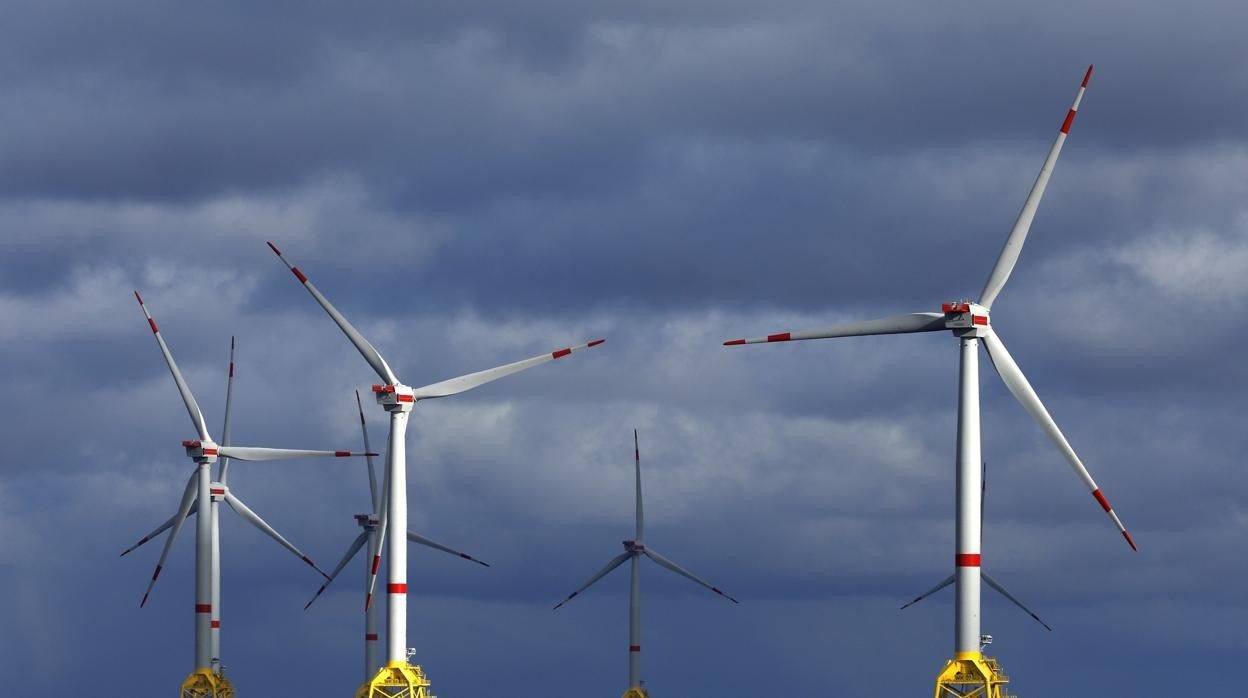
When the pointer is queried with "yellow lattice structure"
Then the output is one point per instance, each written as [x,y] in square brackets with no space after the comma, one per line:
[397,680]
[972,675]
[204,683]
[635,692]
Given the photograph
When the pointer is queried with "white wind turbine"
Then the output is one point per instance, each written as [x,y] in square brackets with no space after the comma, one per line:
[398,677]
[371,525]
[633,550]
[201,494]
[969,321]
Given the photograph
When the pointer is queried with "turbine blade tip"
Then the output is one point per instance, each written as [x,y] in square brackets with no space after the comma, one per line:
[595,343]
[734,342]
[1087,76]
[1129,541]
[273,247]
[137,296]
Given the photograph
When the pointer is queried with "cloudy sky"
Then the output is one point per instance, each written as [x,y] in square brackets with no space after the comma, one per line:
[476,182]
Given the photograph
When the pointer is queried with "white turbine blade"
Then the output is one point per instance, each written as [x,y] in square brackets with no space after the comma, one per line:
[1018,234]
[224,468]
[251,453]
[383,517]
[946,582]
[641,518]
[687,575]
[370,354]
[372,473]
[237,505]
[472,380]
[160,529]
[1026,395]
[896,324]
[615,562]
[192,407]
[351,551]
[417,538]
[993,583]
[188,498]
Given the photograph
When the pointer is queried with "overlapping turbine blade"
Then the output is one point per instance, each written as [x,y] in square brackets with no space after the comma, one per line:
[351,551]
[641,517]
[370,354]
[383,524]
[472,380]
[159,530]
[1018,234]
[224,469]
[993,583]
[237,505]
[188,498]
[255,453]
[687,575]
[615,562]
[372,473]
[417,538]
[895,324]
[192,407]
[1026,395]
[944,583]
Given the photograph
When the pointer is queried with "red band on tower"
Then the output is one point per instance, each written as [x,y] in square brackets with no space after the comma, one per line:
[634,648]
[203,608]
[396,588]
[967,559]
[216,624]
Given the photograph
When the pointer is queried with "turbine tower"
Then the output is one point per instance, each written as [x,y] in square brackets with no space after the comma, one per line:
[207,681]
[371,525]
[969,321]
[398,678]
[633,551]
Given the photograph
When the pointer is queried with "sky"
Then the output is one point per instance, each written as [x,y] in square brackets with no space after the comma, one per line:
[477,182]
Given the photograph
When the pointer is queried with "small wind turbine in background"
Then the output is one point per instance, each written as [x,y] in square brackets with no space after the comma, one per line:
[633,551]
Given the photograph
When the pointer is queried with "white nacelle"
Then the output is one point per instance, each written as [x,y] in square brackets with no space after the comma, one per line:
[966,319]
[395,398]
[201,451]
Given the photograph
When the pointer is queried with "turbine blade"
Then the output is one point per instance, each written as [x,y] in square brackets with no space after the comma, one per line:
[1018,234]
[472,380]
[895,324]
[351,551]
[188,498]
[159,529]
[946,582]
[372,473]
[641,518]
[251,517]
[383,523]
[224,469]
[417,538]
[993,583]
[251,453]
[370,354]
[192,407]
[615,562]
[1026,395]
[687,575]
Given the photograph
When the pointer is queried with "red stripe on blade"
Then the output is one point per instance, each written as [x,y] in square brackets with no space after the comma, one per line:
[967,559]
[782,337]
[299,275]
[308,560]
[734,342]
[136,295]
[376,563]
[1101,498]
[156,573]
[153,324]
[340,454]
[1087,76]
[596,342]
[396,588]
[560,354]
[1070,119]
[274,248]
[1129,541]
[203,608]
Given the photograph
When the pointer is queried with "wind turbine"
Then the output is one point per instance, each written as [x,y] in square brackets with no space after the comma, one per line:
[633,550]
[969,322]
[371,525]
[398,678]
[201,494]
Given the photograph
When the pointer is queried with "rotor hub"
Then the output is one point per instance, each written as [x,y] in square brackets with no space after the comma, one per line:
[201,451]
[634,546]
[217,491]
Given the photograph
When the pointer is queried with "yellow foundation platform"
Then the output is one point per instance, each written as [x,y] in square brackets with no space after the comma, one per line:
[635,692]
[971,674]
[397,680]
[203,683]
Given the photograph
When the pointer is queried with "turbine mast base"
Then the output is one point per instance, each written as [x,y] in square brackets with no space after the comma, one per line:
[972,674]
[397,680]
[205,683]
[636,692]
